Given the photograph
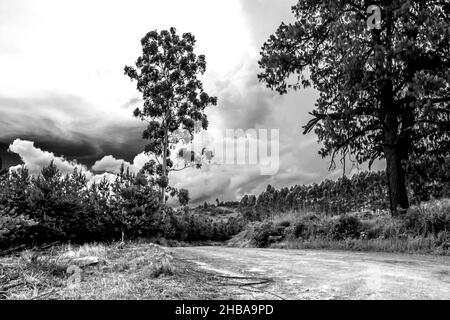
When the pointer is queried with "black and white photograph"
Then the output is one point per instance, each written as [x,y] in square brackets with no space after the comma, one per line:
[232,152]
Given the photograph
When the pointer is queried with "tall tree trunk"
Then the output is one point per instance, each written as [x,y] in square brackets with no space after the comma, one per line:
[398,196]
[395,143]
[164,169]
[396,147]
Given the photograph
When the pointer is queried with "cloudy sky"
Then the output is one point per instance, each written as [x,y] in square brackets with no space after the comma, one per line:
[63,94]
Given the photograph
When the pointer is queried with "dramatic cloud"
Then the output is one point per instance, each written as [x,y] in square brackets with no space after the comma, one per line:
[35,159]
[70,126]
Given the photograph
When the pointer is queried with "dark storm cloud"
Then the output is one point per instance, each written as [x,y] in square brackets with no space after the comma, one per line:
[122,140]
[67,126]
[22,116]
[8,159]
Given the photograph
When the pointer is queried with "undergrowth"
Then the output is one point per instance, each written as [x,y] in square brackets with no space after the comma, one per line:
[424,228]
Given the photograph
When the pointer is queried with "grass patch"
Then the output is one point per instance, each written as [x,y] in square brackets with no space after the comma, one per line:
[411,245]
[117,271]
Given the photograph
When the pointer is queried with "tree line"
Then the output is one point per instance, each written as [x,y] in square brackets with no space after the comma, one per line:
[55,207]
[365,191]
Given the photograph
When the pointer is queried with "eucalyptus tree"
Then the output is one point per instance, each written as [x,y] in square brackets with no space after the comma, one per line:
[167,76]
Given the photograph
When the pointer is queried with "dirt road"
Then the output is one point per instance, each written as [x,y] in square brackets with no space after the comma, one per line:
[310,274]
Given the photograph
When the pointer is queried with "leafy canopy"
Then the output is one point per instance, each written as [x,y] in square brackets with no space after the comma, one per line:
[167,77]
[370,81]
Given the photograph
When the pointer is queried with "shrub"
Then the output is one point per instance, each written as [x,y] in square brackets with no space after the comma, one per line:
[14,228]
[162,266]
[261,234]
[428,218]
[299,229]
[443,240]
[346,227]
[309,226]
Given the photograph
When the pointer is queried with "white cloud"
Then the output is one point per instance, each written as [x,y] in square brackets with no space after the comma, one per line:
[80,47]
[110,164]
[35,159]
[113,165]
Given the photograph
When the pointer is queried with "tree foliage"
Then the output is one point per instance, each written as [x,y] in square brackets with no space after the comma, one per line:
[166,75]
[183,197]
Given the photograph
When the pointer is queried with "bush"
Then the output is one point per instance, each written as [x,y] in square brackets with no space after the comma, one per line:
[346,227]
[162,265]
[14,229]
[443,240]
[428,218]
[299,229]
[262,232]
[308,227]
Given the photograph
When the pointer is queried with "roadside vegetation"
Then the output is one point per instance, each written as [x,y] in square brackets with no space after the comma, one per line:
[98,272]
[422,229]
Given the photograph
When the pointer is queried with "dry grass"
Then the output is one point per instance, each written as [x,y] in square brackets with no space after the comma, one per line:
[409,245]
[125,271]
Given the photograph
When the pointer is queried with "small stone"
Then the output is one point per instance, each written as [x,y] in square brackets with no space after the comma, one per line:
[86,261]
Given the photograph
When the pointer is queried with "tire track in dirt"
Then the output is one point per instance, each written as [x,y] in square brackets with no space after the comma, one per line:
[311,274]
